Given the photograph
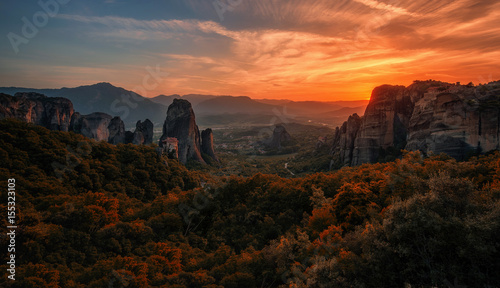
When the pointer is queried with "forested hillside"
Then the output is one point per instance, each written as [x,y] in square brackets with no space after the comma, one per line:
[92,214]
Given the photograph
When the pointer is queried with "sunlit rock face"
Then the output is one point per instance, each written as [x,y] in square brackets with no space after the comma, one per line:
[458,121]
[99,126]
[181,124]
[343,140]
[384,123]
[57,113]
[430,116]
[53,113]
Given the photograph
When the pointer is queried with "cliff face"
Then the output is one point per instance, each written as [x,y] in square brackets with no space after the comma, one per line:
[181,124]
[384,123]
[116,130]
[99,126]
[52,113]
[458,121]
[143,133]
[56,113]
[207,143]
[429,116]
[343,140]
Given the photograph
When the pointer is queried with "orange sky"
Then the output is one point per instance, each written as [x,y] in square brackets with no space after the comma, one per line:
[300,50]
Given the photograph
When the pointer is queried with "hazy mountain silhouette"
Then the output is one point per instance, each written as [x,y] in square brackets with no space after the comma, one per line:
[131,107]
[194,99]
[344,112]
[233,105]
[106,98]
[165,99]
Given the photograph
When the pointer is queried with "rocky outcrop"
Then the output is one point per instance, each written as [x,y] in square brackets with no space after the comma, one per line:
[181,124]
[456,122]
[116,130]
[384,123]
[171,147]
[343,140]
[430,116]
[49,112]
[56,113]
[99,126]
[143,132]
[207,143]
[280,137]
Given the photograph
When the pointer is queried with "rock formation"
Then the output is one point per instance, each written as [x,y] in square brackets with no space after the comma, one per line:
[457,121]
[181,124]
[56,113]
[384,123]
[343,140]
[280,136]
[171,147]
[99,126]
[143,132]
[51,113]
[116,130]
[207,143]
[429,116]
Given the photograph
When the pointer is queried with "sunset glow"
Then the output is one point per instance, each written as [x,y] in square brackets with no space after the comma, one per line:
[299,50]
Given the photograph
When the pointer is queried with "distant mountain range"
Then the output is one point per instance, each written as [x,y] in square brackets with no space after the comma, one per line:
[106,98]
[215,105]
[131,107]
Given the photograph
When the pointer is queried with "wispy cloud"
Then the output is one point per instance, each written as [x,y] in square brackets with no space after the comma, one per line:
[386,7]
[321,49]
[130,23]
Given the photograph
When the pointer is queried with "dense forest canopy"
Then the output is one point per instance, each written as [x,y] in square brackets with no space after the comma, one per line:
[92,214]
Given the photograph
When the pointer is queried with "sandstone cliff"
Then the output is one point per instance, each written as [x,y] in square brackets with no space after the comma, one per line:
[116,130]
[143,133]
[429,116]
[52,113]
[457,121]
[207,143]
[56,113]
[181,124]
[99,126]
[343,140]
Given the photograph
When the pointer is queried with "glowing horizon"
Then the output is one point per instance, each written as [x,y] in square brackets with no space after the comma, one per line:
[297,50]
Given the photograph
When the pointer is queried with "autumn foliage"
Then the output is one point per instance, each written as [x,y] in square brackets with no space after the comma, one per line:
[93,214]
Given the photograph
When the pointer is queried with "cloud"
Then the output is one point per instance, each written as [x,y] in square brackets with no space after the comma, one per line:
[134,24]
[316,49]
[386,7]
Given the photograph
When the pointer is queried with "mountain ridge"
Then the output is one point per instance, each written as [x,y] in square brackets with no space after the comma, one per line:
[130,106]
[103,97]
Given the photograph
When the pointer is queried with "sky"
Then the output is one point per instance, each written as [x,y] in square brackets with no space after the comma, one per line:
[325,50]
